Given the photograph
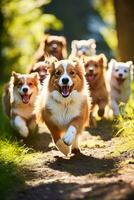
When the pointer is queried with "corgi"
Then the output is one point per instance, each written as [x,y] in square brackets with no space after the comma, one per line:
[83,47]
[95,76]
[119,78]
[52,45]
[18,101]
[41,67]
[64,104]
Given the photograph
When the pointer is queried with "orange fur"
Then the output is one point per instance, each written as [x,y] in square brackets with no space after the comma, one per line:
[60,113]
[95,75]
[51,45]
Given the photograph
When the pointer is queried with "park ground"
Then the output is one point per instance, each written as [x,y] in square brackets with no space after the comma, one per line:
[33,169]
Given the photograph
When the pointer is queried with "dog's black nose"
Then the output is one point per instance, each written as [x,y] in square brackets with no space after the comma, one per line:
[65,80]
[25,90]
[120,75]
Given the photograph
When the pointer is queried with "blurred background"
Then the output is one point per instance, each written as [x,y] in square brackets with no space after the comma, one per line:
[23,23]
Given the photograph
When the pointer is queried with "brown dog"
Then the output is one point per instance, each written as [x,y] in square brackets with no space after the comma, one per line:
[95,75]
[41,67]
[18,101]
[52,45]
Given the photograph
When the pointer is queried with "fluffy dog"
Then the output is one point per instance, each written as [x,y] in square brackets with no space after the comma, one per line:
[83,47]
[18,101]
[64,104]
[95,75]
[52,45]
[119,77]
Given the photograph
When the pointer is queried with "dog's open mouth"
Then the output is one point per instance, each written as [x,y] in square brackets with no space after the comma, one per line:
[65,90]
[25,98]
[91,77]
[120,80]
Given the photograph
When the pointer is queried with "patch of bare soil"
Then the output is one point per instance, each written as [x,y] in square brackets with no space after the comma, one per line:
[92,175]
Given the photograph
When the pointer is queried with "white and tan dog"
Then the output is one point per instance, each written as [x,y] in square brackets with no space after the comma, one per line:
[83,47]
[119,78]
[18,101]
[64,104]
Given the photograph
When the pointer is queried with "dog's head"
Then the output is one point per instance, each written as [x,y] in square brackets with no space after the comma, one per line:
[83,47]
[55,46]
[94,67]
[24,88]
[120,71]
[66,78]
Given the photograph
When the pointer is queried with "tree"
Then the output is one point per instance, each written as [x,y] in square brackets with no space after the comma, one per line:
[22,26]
[124,11]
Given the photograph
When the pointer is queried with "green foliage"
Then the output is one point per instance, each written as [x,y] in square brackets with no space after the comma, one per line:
[23,25]
[106,11]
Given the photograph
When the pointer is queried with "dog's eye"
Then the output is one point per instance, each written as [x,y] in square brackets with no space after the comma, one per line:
[30,84]
[58,73]
[116,70]
[96,65]
[20,84]
[72,72]
[125,70]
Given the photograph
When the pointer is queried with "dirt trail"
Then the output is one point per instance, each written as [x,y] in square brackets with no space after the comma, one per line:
[92,175]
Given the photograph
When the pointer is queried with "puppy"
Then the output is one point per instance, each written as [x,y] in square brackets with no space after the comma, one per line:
[52,45]
[119,77]
[83,47]
[95,75]
[64,104]
[41,67]
[18,101]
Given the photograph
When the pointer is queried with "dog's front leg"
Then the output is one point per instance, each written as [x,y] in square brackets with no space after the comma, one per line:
[115,108]
[20,124]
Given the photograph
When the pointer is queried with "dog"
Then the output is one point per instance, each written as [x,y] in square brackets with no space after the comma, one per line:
[64,104]
[83,47]
[52,45]
[119,77]
[95,75]
[18,101]
[41,67]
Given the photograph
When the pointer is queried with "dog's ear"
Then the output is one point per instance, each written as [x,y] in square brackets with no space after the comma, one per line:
[11,85]
[112,63]
[102,60]
[131,67]
[79,64]
[36,77]
[92,42]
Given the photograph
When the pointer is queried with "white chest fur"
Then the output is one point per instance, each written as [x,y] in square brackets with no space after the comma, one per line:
[64,112]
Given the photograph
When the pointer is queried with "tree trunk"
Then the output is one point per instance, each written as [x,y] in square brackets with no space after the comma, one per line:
[124,12]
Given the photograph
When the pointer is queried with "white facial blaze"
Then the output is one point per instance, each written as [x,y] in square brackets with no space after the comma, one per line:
[65,75]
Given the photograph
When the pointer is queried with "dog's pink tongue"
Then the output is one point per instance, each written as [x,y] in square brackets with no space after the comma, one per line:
[65,91]
[25,98]
[90,77]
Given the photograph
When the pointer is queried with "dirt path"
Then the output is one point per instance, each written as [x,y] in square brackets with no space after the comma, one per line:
[93,175]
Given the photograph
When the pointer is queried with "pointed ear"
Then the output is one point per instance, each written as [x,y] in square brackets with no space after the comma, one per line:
[102,60]
[92,42]
[79,64]
[15,74]
[112,63]
[129,64]
[36,76]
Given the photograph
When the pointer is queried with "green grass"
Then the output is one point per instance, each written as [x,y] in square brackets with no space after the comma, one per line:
[12,157]
[125,126]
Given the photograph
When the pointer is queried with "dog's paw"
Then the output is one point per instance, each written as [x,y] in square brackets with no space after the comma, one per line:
[63,147]
[24,132]
[69,135]
[101,112]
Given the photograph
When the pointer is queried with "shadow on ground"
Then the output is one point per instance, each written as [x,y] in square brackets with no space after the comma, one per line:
[82,164]
[105,129]
[118,190]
